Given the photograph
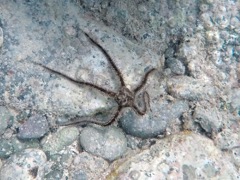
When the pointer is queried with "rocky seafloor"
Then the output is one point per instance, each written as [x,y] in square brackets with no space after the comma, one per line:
[191,127]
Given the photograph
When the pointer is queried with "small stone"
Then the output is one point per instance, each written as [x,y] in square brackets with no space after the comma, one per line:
[62,138]
[35,127]
[6,148]
[155,122]
[20,145]
[107,142]
[176,66]
[28,164]
[5,117]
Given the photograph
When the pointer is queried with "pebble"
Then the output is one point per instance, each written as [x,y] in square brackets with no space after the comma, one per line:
[19,145]
[87,166]
[6,148]
[57,141]
[35,127]
[107,142]
[26,165]
[186,155]
[176,66]
[5,117]
[154,122]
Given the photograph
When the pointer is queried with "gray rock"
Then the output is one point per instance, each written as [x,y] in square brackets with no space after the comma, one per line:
[87,166]
[28,164]
[107,142]
[236,156]
[186,155]
[79,59]
[154,122]
[57,141]
[188,172]
[176,66]
[1,37]
[209,118]
[184,87]
[19,145]
[35,127]
[227,139]
[160,115]
[5,117]
[235,96]
[6,148]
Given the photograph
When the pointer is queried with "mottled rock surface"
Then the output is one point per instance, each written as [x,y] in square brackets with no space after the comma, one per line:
[5,118]
[57,141]
[87,166]
[183,156]
[35,127]
[28,164]
[107,142]
[194,45]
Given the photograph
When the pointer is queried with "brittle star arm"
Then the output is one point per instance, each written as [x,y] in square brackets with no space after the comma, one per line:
[144,80]
[108,58]
[110,93]
[146,104]
[86,120]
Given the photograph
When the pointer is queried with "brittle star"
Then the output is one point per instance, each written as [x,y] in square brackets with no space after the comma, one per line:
[124,97]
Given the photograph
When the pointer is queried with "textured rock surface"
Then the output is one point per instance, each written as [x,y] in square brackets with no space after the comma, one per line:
[107,142]
[182,156]
[28,164]
[163,111]
[154,123]
[87,166]
[6,148]
[5,118]
[184,87]
[35,127]
[62,138]
[198,91]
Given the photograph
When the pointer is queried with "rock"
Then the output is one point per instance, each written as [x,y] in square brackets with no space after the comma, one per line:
[35,127]
[209,118]
[28,164]
[154,122]
[57,141]
[87,166]
[176,66]
[186,155]
[184,87]
[107,142]
[163,110]
[5,117]
[236,156]
[1,37]
[19,145]
[227,139]
[235,96]
[6,148]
